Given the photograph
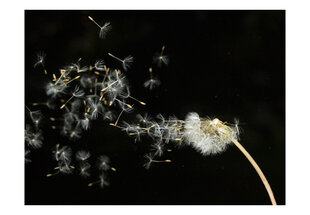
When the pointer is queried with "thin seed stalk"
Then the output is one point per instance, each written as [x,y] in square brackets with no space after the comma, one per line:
[258,170]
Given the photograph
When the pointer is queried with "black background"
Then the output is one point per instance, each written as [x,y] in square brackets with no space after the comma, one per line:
[223,64]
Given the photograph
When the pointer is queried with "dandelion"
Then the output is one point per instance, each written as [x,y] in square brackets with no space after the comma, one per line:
[208,136]
[213,136]
[160,59]
[126,62]
[152,82]
[103,29]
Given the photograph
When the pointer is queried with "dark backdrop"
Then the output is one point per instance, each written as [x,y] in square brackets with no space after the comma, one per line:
[223,64]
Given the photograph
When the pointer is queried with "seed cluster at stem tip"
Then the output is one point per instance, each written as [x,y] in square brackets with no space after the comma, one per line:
[208,136]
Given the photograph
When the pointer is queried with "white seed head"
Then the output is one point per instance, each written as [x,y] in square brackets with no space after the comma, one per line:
[208,136]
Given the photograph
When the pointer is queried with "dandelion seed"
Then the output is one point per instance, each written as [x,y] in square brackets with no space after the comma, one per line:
[50,103]
[150,159]
[40,59]
[103,182]
[55,90]
[95,107]
[77,93]
[103,29]
[76,67]
[160,59]
[85,169]
[115,124]
[85,123]
[104,163]
[82,155]
[87,81]
[237,128]
[152,82]
[63,154]
[158,149]
[127,95]
[76,133]
[109,115]
[99,65]
[35,116]
[126,62]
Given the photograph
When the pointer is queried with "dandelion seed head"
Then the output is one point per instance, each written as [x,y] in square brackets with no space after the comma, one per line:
[208,136]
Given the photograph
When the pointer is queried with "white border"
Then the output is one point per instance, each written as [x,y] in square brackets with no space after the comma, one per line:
[12,106]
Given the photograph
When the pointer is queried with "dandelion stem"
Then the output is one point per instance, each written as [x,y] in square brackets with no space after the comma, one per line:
[115,57]
[118,117]
[91,184]
[143,103]
[162,161]
[162,50]
[258,170]
[28,109]
[109,85]
[151,70]
[94,21]
[62,106]
[77,77]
